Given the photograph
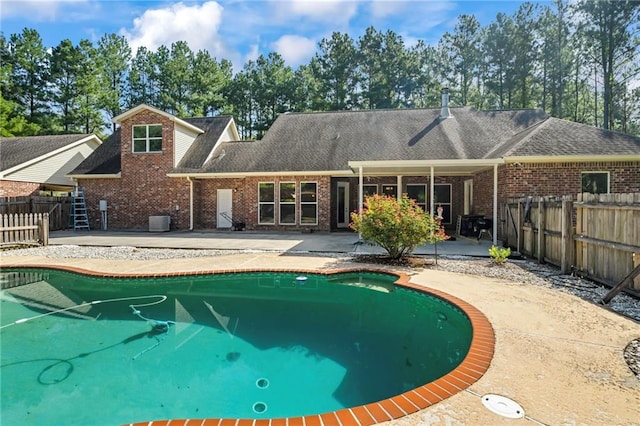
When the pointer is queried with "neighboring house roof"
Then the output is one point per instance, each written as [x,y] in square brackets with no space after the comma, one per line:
[44,159]
[106,159]
[19,150]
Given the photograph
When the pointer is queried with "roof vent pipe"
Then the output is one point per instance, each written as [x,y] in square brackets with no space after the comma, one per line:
[444,111]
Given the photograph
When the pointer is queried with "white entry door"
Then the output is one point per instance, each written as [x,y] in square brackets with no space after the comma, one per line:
[342,205]
[224,207]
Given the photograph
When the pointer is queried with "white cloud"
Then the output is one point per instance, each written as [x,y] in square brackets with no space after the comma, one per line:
[295,49]
[35,10]
[330,11]
[197,25]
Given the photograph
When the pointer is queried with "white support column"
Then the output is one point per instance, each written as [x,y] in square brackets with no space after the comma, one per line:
[495,205]
[190,203]
[399,182]
[360,191]
[432,192]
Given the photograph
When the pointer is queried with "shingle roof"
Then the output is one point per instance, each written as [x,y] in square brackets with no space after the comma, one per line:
[329,140]
[204,143]
[106,159]
[18,150]
[556,137]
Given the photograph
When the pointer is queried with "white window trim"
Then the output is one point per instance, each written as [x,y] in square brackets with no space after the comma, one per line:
[287,203]
[260,203]
[307,203]
[133,138]
[607,172]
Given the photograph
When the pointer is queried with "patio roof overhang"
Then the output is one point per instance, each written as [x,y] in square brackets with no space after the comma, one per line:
[420,167]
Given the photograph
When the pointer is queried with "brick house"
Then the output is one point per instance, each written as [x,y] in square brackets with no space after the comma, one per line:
[312,169]
[31,165]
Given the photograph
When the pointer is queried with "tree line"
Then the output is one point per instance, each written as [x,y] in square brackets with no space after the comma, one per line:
[576,60]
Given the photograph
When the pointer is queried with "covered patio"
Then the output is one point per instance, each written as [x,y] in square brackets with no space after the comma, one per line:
[433,169]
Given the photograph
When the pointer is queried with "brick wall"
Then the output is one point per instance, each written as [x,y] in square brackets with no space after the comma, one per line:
[205,208]
[519,180]
[566,178]
[10,188]
[144,189]
[250,202]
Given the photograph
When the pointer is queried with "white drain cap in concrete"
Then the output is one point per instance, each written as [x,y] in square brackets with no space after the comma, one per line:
[503,406]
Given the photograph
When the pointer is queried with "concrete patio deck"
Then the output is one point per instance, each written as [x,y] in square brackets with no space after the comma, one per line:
[334,242]
[558,356]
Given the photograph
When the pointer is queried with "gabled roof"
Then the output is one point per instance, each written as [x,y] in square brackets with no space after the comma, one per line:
[133,111]
[205,143]
[554,137]
[106,159]
[21,151]
[327,141]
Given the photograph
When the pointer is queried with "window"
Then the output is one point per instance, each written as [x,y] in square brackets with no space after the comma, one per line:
[390,190]
[308,203]
[287,203]
[419,194]
[369,190]
[595,182]
[442,197]
[266,203]
[147,138]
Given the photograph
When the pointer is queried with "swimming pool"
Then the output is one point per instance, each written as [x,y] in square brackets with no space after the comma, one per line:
[241,345]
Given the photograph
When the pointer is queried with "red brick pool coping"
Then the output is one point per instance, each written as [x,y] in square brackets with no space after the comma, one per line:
[470,370]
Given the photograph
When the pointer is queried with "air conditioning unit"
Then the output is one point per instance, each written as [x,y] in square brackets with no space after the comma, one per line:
[159,223]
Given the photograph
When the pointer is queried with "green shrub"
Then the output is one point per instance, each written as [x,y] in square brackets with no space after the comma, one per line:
[499,255]
[398,226]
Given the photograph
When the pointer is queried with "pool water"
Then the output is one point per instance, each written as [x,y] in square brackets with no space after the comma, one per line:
[243,345]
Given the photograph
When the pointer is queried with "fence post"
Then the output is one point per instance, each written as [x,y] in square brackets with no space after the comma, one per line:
[520,229]
[567,239]
[541,226]
[44,229]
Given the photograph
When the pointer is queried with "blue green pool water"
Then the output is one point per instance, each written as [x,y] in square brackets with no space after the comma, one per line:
[246,345]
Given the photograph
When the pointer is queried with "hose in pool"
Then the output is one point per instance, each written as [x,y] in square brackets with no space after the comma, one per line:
[157,325]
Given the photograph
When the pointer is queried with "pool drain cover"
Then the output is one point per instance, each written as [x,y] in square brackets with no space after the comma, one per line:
[503,406]
[262,383]
[259,407]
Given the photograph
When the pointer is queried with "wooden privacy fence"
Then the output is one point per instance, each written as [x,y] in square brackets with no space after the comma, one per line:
[24,229]
[58,208]
[597,234]
[607,235]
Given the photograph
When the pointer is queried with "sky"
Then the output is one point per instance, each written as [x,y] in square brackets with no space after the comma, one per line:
[240,30]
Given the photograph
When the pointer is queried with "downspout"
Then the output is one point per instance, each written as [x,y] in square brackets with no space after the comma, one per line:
[190,203]
[495,205]
[399,182]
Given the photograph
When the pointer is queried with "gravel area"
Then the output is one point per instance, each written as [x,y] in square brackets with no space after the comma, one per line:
[516,271]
